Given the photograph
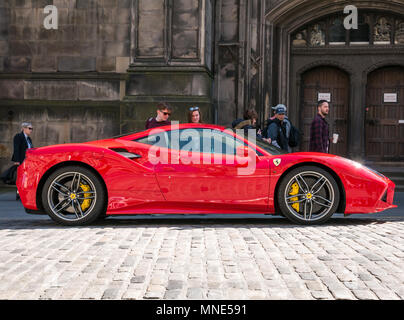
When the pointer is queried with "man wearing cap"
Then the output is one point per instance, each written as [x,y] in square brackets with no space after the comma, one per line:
[279,128]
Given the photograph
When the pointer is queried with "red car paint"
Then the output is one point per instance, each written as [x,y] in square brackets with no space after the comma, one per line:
[137,186]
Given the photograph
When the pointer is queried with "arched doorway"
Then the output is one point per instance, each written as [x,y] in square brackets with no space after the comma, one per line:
[331,84]
[385,115]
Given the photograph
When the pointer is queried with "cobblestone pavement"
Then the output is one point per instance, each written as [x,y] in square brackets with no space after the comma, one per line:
[209,259]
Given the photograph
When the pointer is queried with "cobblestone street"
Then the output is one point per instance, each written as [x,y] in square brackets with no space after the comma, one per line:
[202,259]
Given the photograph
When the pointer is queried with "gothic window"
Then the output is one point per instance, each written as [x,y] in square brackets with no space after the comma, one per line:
[362,34]
[373,29]
[337,32]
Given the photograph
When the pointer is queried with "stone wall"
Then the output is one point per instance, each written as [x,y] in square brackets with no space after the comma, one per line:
[68,82]
[95,76]
[172,60]
[92,36]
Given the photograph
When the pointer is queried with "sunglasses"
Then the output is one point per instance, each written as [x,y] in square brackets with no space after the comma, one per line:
[165,113]
[193,108]
[29,128]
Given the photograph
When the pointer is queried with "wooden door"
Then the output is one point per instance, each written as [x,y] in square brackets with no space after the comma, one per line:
[385,115]
[333,83]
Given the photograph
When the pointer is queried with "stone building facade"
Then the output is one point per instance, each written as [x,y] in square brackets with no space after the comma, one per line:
[103,70]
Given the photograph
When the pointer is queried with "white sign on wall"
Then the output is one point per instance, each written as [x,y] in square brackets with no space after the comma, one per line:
[390,98]
[324,96]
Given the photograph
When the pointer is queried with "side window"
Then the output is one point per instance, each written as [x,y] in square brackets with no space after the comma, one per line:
[195,140]
[161,139]
[224,143]
[207,141]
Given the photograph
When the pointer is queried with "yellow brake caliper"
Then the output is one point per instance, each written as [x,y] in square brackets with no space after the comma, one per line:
[295,191]
[87,202]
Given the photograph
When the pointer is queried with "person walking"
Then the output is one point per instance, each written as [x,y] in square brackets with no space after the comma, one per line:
[163,113]
[22,141]
[319,131]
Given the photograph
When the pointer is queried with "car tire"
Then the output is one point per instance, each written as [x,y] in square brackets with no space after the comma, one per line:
[74,196]
[308,195]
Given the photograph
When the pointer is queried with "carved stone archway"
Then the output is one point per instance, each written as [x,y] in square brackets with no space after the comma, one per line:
[284,66]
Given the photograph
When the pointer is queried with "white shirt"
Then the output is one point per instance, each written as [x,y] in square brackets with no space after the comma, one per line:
[28,143]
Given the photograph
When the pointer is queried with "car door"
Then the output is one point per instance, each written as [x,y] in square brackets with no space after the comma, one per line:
[199,169]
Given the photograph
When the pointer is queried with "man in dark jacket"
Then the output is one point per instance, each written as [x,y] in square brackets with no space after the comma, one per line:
[163,113]
[319,131]
[277,130]
[22,142]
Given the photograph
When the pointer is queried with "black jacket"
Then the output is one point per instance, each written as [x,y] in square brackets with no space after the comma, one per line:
[20,147]
[277,133]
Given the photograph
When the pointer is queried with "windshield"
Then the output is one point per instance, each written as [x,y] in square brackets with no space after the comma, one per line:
[271,149]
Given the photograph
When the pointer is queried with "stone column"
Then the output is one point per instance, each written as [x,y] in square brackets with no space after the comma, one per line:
[356,121]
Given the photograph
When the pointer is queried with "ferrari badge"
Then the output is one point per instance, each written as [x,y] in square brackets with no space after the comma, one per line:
[277,162]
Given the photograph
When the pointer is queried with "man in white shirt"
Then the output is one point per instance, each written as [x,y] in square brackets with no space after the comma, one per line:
[22,142]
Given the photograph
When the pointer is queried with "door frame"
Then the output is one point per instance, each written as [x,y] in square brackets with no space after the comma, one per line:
[299,99]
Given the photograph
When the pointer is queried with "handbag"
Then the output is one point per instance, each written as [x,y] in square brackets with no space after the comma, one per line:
[10,175]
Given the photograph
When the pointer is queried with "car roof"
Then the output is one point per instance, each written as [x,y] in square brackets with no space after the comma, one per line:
[171,127]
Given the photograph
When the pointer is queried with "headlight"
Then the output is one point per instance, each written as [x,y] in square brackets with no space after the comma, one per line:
[376,172]
[356,164]
[359,165]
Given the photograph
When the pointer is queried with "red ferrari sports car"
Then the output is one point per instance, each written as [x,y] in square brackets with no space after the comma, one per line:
[194,169]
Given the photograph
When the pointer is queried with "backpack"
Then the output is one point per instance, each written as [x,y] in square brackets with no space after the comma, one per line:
[295,137]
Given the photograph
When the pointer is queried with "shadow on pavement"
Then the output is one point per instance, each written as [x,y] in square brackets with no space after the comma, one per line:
[188,222]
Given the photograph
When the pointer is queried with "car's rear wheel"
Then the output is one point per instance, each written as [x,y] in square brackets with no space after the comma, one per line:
[308,195]
[74,196]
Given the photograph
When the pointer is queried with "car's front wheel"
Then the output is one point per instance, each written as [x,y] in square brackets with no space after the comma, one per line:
[74,196]
[308,195]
